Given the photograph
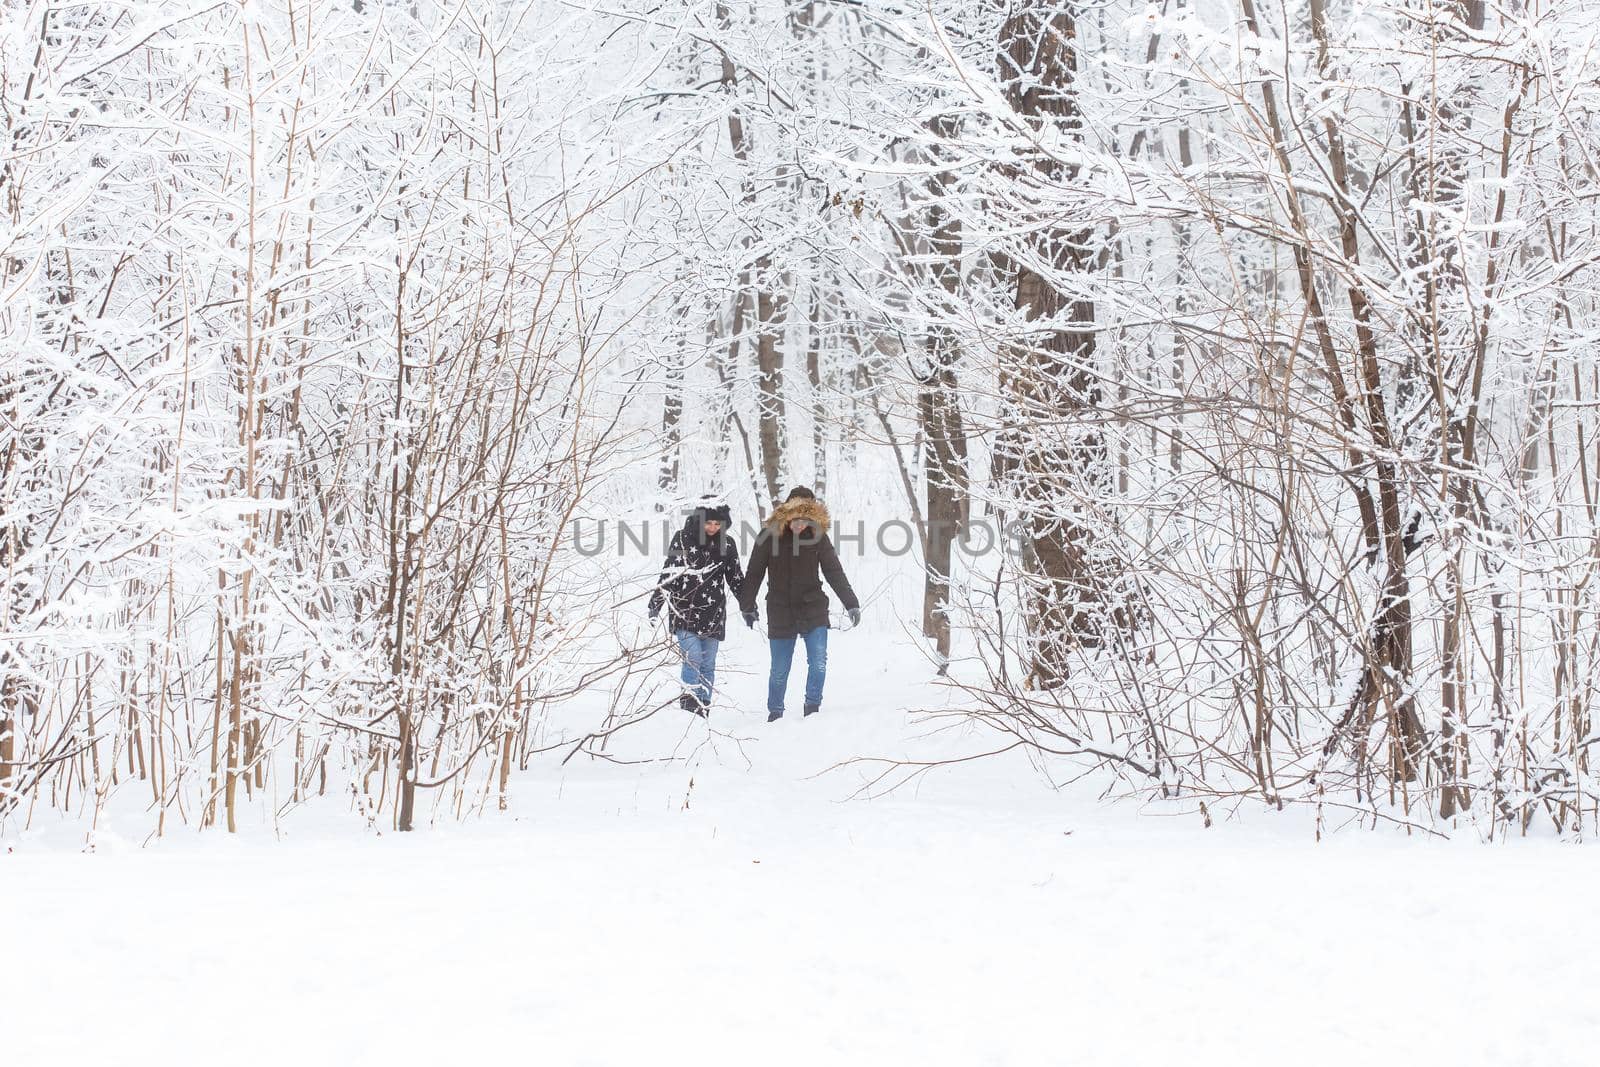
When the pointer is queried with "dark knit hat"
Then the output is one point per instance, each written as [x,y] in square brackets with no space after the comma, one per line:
[802,492]
[694,523]
[711,509]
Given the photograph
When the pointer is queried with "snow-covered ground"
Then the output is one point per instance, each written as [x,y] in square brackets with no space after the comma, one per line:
[733,906]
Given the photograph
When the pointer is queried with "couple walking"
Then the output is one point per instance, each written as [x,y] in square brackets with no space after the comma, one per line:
[791,552]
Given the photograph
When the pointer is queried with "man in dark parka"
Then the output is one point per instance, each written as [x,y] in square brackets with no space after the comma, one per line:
[700,559]
[793,554]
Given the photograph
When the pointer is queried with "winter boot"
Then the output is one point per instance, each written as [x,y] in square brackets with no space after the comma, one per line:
[690,703]
[812,709]
[774,716]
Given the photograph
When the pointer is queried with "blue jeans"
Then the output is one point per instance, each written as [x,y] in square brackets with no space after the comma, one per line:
[816,666]
[699,664]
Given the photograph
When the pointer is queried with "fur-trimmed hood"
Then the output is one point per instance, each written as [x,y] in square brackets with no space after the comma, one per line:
[799,508]
[794,568]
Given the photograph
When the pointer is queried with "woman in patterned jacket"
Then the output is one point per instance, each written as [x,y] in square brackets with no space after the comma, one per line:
[700,561]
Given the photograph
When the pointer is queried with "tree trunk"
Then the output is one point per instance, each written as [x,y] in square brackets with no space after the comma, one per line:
[1435,179]
[770,311]
[1055,455]
[768,307]
[18,698]
[939,405]
[819,417]
[672,418]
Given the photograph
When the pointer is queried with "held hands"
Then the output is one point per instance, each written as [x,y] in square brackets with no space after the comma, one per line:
[749,618]
[855,616]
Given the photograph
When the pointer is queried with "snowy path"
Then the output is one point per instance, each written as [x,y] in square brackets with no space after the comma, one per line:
[985,921]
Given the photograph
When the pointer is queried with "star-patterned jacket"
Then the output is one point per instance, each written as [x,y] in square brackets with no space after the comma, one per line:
[693,576]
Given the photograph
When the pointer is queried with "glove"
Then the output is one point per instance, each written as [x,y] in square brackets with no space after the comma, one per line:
[749,618]
[855,616]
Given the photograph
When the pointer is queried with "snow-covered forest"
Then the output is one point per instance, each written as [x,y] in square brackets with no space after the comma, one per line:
[1258,339]
[1204,396]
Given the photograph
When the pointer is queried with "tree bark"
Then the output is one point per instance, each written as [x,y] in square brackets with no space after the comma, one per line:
[768,307]
[819,416]
[939,407]
[1054,455]
[672,418]
[770,314]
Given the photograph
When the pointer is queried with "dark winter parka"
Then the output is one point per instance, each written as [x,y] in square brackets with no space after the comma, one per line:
[692,578]
[792,564]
